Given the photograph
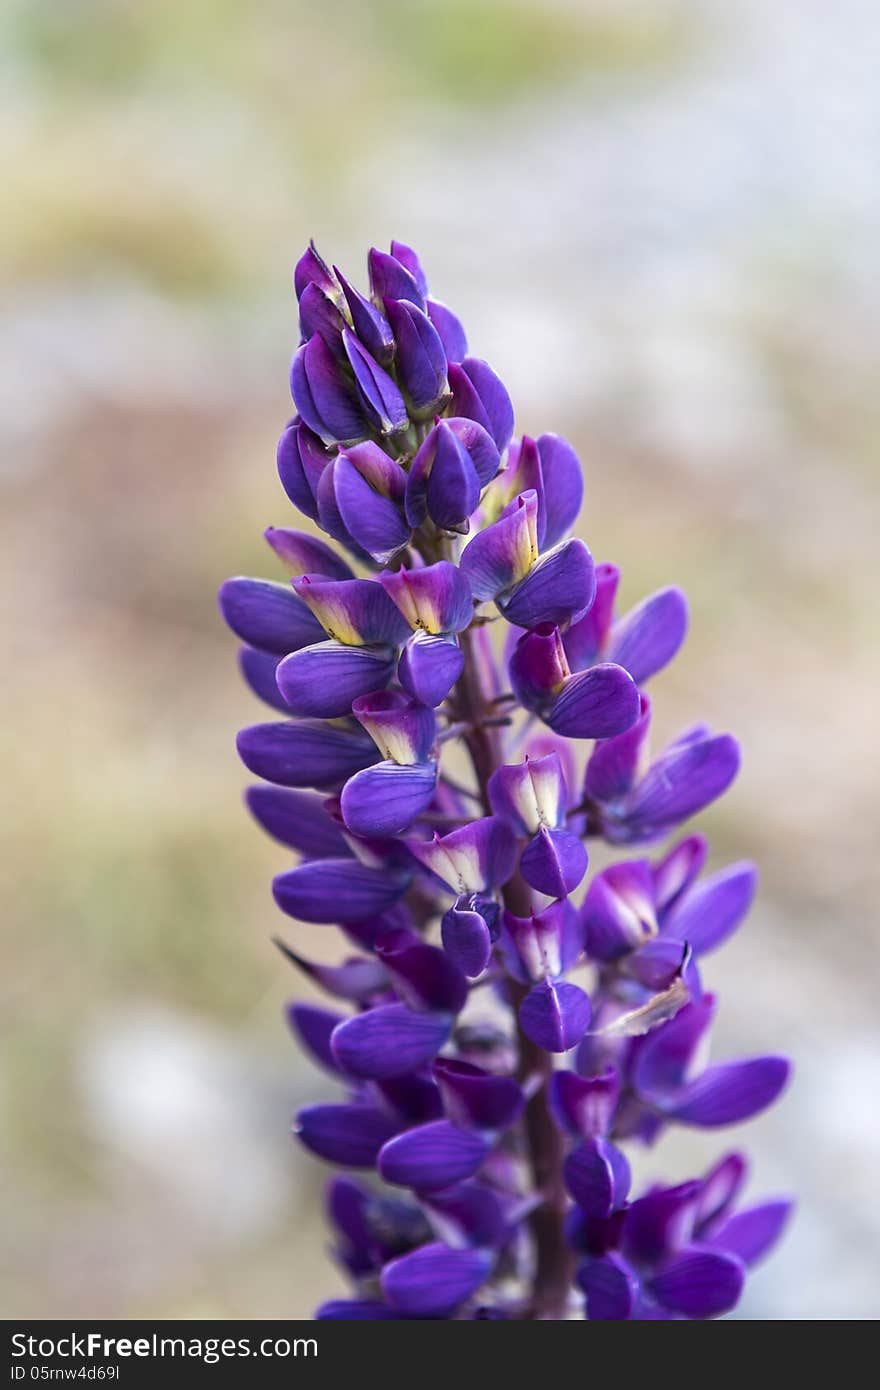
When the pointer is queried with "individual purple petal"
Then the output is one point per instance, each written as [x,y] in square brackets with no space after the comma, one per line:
[359,980]
[677,870]
[751,1234]
[545,944]
[421,361]
[618,910]
[425,978]
[370,514]
[301,462]
[319,313]
[555,1015]
[326,401]
[474,1098]
[305,752]
[466,939]
[258,669]
[554,862]
[584,1105]
[561,586]
[387,798]
[389,1041]
[699,1283]
[443,482]
[390,279]
[501,555]
[563,486]
[538,667]
[530,795]
[336,890]
[305,554]
[450,330]
[616,764]
[473,859]
[658,1223]
[471,1213]
[711,912]
[314,1028]
[665,1056]
[371,326]
[585,640]
[267,615]
[434,1280]
[429,667]
[415,1098]
[402,729]
[410,259]
[684,779]
[323,680]
[432,1156]
[727,1092]
[656,964]
[597,1176]
[354,611]
[312,269]
[479,394]
[649,636]
[435,599]
[378,390]
[350,1135]
[719,1188]
[355,1310]
[297,819]
[599,703]
[611,1287]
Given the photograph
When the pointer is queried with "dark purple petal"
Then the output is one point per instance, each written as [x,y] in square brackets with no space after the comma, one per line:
[476,1099]
[326,401]
[684,779]
[432,1156]
[611,1287]
[561,586]
[429,667]
[597,1176]
[666,1054]
[305,554]
[711,912]
[305,752]
[658,1223]
[312,269]
[301,463]
[599,703]
[656,964]
[450,330]
[583,1105]
[752,1233]
[410,259]
[554,862]
[415,1098]
[359,980]
[479,394]
[298,819]
[475,858]
[727,1093]
[314,1028]
[649,636]
[319,313]
[425,978]
[371,326]
[258,669]
[354,611]
[563,486]
[618,910]
[323,680]
[585,640]
[350,1135]
[402,728]
[466,940]
[617,763]
[336,890]
[463,457]
[538,667]
[699,1283]
[434,1280]
[555,1015]
[391,279]
[421,361]
[267,615]
[387,798]
[436,599]
[389,1041]
[355,1310]
[470,1214]
[374,520]
[504,553]
[677,870]
[379,391]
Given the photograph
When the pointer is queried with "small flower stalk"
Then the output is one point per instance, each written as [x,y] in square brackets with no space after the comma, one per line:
[457,714]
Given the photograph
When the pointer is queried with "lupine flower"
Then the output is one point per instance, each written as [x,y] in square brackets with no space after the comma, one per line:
[485,1099]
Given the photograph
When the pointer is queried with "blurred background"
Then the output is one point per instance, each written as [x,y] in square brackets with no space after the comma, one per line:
[660,223]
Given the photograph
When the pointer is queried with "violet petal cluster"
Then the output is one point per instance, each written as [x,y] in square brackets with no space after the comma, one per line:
[500,1028]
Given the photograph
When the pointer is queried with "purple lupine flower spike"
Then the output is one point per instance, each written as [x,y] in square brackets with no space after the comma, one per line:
[486,1103]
